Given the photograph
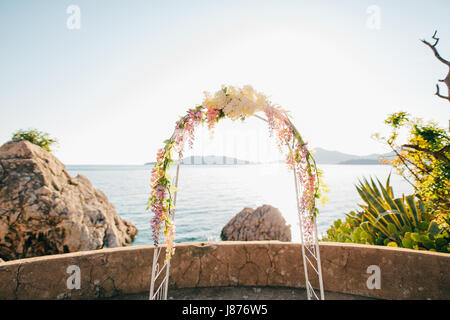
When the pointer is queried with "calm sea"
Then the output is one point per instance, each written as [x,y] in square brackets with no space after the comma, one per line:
[209,196]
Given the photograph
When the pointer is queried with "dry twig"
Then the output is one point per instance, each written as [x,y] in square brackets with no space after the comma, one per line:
[444,61]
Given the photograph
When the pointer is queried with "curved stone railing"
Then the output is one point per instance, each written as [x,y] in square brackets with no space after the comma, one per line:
[372,271]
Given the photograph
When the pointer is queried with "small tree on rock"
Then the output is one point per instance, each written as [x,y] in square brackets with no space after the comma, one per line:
[42,139]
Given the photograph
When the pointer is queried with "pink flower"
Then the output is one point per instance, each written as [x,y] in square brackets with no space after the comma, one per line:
[211,117]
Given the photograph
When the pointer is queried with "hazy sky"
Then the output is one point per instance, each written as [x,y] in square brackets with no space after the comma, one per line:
[112,90]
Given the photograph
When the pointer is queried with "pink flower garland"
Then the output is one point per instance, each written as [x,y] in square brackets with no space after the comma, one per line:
[297,157]
[161,199]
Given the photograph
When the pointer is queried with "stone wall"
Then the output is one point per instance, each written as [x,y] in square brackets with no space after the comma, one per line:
[404,273]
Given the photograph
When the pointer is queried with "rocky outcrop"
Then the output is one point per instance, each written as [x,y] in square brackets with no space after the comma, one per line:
[264,223]
[45,211]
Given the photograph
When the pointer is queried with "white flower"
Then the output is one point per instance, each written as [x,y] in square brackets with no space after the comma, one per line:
[217,102]
[236,102]
[232,109]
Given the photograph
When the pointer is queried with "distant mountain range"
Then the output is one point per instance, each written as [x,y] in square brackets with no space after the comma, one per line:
[335,157]
[321,156]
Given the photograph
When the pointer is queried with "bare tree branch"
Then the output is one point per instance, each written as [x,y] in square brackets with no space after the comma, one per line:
[433,47]
[439,155]
[407,167]
[444,61]
[439,94]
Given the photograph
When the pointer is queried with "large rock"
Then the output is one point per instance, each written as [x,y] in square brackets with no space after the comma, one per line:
[45,211]
[264,223]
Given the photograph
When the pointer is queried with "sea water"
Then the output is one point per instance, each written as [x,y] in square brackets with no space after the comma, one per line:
[210,195]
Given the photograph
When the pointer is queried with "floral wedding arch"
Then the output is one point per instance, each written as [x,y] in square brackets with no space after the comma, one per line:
[234,103]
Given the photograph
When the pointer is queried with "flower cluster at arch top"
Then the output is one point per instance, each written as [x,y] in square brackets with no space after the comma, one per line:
[234,103]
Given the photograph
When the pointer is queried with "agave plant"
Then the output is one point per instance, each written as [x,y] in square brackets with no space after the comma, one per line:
[386,220]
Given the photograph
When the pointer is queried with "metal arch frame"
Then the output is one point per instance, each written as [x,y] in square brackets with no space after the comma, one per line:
[310,247]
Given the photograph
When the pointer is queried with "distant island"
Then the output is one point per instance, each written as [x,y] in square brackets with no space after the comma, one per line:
[322,156]
[211,160]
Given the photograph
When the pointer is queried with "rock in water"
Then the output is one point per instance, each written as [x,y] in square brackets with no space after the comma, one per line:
[264,223]
[45,211]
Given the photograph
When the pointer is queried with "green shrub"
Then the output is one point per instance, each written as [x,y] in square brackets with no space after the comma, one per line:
[385,220]
[422,152]
[39,138]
